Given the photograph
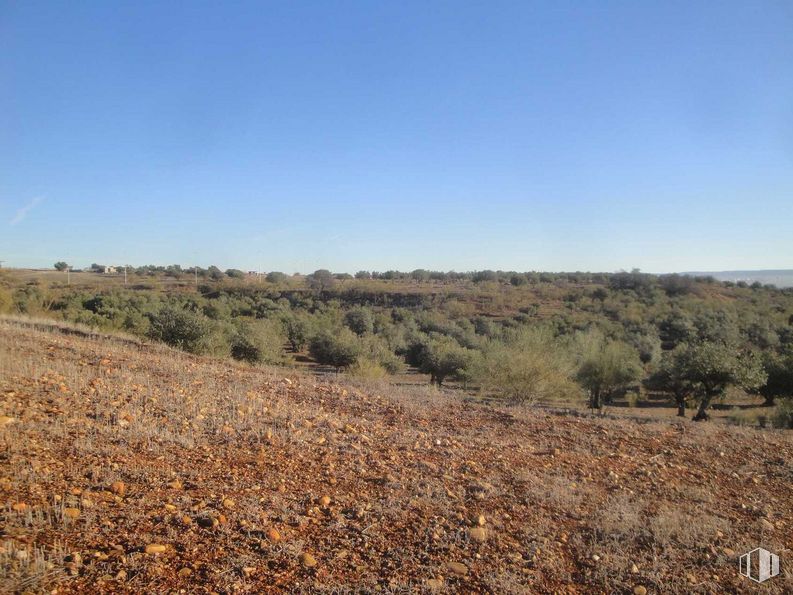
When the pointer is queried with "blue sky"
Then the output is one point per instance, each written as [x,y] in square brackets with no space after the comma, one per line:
[376,135]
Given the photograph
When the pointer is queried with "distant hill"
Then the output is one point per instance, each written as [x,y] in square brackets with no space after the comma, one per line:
[780,278]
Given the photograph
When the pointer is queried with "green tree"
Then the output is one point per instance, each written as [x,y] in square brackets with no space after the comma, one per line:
[339,349]
[321,280]
[276,277]
[713,367]
[298,329]
[61,266]
[606,367]
[179,328]
[443,357]
[779,381]
[360,321]
[258,342]
[670,377]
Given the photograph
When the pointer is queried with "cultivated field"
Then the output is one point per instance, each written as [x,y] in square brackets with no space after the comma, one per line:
[135,468]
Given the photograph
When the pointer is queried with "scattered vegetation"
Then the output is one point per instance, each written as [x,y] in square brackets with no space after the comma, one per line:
[521,337]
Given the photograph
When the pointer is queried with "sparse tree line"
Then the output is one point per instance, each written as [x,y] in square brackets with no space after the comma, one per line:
[692,340]
[323,279]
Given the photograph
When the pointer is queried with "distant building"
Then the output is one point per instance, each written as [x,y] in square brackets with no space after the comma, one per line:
[110,270]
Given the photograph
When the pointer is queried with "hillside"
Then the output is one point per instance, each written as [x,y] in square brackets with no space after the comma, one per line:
[129,467]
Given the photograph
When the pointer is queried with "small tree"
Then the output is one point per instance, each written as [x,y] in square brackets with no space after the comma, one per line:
[713,367]
[321,280]
[61,266]
[670,377]
[339,350]
[258,342]
[444,358]
[179,328]
[360,321]
[276,277]
[779,383]
[607,367]
[297,330]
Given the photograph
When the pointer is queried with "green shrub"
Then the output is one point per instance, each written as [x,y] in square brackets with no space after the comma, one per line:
[783,415]
[360,321]
[258,342]
[180,328]
[339,349]
[606,367]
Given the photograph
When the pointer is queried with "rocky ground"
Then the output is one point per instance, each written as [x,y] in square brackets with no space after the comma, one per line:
[133,468]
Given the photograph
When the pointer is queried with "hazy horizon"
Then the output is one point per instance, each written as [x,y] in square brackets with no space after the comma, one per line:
[519,136]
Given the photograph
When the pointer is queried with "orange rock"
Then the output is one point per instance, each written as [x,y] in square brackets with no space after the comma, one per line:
[156,548]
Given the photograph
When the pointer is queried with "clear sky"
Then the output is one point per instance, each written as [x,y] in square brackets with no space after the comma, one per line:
[374,135]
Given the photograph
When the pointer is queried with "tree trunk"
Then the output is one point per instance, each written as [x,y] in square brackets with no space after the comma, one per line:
[769,401]
[702,413]
[594,399]
[681,406]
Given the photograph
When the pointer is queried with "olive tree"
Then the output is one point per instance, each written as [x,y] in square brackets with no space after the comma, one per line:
[359,320]
[779,381]
[670,377]
[606,367]
[714,366]
[340,349]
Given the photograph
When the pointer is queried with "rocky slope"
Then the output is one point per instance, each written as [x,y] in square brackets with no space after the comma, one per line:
[128,468]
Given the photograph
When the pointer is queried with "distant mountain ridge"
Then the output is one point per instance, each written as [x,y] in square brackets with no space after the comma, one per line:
[778,277]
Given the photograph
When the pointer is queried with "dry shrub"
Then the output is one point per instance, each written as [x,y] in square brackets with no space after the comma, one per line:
[532,365]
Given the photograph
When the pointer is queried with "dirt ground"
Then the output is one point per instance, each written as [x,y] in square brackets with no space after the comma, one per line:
[131,468]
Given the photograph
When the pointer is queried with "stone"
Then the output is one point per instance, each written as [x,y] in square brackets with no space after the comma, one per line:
[478,534]
[6,420]
[273,535]
[308,560]
[71,513]
[434,583]
[640,590]
[228,503]
[118,488]
[457,568]
[634,569]
[185,572]
[156,548]
[324,501]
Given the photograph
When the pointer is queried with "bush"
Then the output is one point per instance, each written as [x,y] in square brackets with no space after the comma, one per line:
[339,350]
[179,328]
[532,365]
[297,330]
[360,321]
[783,416]
[441,358]
[276,277]
[367,369]
[606,367]
[259,342]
